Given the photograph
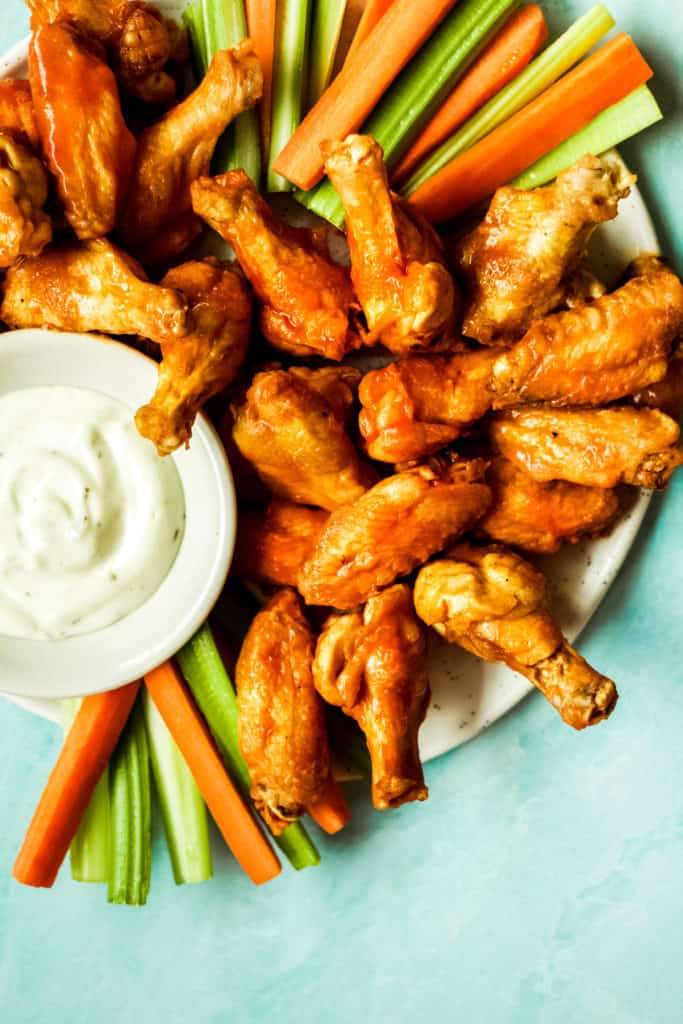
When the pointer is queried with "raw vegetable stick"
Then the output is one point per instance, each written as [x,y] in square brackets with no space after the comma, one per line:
[331,811]
[325,33]
[89,850]
[614,126]
[600,81]
[292,32]
[240,831]
[361,83]
[261,26]
[374,11]
[84,756]
[204,669]
[130,827]
[545,69]
[507,54]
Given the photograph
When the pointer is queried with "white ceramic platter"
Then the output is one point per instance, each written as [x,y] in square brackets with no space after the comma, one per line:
[468,695]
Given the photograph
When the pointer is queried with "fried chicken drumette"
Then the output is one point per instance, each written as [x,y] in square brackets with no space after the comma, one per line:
[282,723]
[392,529]
[298,442]
[519,263]
[206,360]
[307,303]
[397,261]
[494,604]
[25,228]
[372,664]
[274,541]
[593,447]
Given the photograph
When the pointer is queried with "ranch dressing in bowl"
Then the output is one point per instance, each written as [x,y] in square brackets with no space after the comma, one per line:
[91,518]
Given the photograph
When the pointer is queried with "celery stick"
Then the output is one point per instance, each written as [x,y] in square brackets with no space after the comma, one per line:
[193,19]
[421,88]
[550,65]
[289,80]
[89,850]
[182,807]
[328,16]
[203,668]
[130,848]
[614,126]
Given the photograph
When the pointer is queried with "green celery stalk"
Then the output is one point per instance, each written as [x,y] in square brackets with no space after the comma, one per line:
[615,125]
[89,850]
[130,848]
[193,19]
[328,17]
[550,65]
[203,668]
[420,89]
[289,80]
[182,806]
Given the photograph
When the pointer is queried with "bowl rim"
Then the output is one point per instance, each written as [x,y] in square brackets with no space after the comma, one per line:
[118,654]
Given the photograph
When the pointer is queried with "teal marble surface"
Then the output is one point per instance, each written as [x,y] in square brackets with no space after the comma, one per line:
[541,883]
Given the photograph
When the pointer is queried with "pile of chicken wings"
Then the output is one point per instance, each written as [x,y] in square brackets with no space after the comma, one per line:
[514,398]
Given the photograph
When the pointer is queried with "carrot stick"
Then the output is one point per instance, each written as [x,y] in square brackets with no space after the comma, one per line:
[361,83]
[509,52]
[331,811]
[568,106]
[374,11]
[172,698]
[87,748]
[261,22]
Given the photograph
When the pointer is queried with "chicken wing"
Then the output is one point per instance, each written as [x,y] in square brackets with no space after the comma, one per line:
[494,604]
[518,264]
[274,542]
[16,110]
[372,664]
[397,262]
[177,149]
[415,406]
[599,352]
[298,444]
[390,530]
[593,447]
[281,721]
[666,394]
[338,385]
[25,228]
[540,517]
[82,131]
[90,286]
[307,298]
[206,360]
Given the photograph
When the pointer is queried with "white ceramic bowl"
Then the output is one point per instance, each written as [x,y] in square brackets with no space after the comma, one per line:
[139,642]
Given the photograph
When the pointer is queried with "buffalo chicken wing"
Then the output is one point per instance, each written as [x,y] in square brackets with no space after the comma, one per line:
[274,541]
[25,228]
[16,111]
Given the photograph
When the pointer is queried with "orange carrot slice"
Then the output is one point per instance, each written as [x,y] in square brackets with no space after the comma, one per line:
[509,52]
[186,725]
[87,748]
[373,12]
[331,811]
[602,80]
[261,23]
[362,81]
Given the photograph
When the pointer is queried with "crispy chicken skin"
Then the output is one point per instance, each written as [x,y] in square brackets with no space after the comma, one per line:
[518,264]
[666,394]
[371,663]
[338,385]
[16,110]
[415,406]
[274,541]
[297,443]
[308,305]
[25,229]
[390,530]
[494,604]
[204,361]
[599,352]
[282,724]
[90,286]
[540,517]
[594,447]
[82,131]
[177,150]
[397,262]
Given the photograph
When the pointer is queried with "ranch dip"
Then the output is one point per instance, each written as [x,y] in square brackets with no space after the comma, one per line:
[91,518]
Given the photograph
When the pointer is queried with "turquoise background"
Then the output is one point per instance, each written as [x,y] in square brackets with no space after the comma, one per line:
[540,883]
